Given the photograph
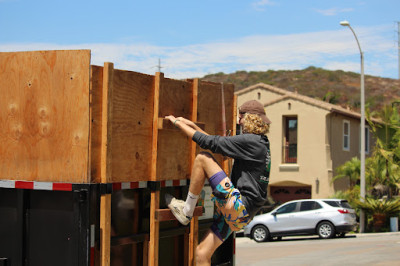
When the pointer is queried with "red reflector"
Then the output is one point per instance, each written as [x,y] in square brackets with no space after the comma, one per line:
[343,211]
[23,184]
[62,186]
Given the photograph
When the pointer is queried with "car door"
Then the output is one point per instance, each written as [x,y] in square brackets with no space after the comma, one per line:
[283,218]
[308,215]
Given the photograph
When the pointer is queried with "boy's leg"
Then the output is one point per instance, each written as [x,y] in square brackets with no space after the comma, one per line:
[204,166]
[206,248]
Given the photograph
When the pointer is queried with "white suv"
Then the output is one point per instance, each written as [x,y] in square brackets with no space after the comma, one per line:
[323,217]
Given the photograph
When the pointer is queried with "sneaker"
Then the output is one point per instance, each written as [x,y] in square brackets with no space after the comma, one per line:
[176,207]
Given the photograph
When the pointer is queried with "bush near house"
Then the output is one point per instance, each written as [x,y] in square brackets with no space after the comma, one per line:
[380,210]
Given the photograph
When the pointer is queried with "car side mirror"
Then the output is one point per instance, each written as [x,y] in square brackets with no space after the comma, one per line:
[274,213]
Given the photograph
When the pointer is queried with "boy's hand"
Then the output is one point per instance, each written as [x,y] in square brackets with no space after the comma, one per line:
[171,118]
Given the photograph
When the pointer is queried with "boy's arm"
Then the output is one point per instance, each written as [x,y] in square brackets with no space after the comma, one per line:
[192,125]
[187,126]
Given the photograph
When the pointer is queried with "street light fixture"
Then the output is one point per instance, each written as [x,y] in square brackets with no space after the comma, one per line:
[345,23]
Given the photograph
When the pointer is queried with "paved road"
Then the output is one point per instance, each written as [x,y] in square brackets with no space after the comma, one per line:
[359,249]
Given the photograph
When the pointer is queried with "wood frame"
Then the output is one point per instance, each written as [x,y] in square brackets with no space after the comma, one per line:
[110,129]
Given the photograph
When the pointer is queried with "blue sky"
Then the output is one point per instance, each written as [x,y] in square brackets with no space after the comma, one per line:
[194,38]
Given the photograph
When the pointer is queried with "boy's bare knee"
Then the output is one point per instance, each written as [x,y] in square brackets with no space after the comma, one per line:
[204,155]
[207,162]
[205,158]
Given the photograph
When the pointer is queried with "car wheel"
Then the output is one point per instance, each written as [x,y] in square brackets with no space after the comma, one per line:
[326,230]
[260,233]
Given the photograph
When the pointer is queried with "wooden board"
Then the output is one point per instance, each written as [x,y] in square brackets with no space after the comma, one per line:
[210,109]
[166,214]
[132,126]
[44,116]
[173,158]
[96,93]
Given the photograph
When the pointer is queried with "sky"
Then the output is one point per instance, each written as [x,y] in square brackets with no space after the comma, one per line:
[194,38]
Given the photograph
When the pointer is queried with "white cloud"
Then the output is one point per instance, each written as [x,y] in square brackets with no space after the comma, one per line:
[260,5]
[343,65]
[333,11]
[329,49]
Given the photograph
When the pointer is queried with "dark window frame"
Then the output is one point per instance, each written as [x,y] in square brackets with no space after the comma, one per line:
[290,143]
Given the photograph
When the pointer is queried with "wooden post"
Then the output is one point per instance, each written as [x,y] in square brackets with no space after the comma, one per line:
[106,171]
[155,195]
[194,224]
[234,115]
[233,133]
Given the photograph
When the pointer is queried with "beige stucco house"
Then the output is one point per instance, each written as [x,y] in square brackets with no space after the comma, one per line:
[309,140]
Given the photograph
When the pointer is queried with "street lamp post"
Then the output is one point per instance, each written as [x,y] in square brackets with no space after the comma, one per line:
[362,129]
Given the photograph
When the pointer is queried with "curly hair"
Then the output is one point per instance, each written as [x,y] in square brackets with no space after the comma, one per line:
[253,124]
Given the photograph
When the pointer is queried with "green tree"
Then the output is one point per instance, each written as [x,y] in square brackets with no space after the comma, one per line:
[383,166]
[350,170]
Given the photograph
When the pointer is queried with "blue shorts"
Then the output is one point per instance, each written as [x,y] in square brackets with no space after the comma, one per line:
[230,214]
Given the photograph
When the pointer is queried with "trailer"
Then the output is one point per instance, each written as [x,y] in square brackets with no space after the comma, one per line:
[86,158]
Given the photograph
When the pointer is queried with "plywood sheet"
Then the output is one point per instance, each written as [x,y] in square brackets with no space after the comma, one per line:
[173,153]
[132,123]
[44,115]
[96,94]
[210,110]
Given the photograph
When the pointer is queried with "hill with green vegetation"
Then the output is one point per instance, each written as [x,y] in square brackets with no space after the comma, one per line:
[337,87]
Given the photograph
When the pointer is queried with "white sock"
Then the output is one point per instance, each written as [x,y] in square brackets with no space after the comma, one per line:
[190,204]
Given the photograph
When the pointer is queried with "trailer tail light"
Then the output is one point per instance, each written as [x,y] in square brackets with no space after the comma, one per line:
[343,211]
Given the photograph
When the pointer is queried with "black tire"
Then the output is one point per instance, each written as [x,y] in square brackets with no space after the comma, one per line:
[325,230]
[260,233]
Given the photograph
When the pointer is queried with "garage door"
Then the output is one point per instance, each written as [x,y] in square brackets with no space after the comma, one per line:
[282,194]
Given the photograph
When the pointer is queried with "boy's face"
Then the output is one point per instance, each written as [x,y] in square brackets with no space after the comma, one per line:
[241,116]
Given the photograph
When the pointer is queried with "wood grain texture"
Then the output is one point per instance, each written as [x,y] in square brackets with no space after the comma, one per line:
[210,109]
[173,146]
[96,93]
[105,232]
[155,195]
[132,126]
[44,118]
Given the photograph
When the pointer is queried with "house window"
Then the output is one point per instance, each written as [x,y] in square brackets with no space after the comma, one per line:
[290,140]
[346,135]
[259,95]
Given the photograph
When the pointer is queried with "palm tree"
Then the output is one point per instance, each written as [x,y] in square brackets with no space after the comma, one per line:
[381,175]
[351,170]
[384,165]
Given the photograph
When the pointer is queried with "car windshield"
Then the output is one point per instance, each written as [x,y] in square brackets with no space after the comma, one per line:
[338,203]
